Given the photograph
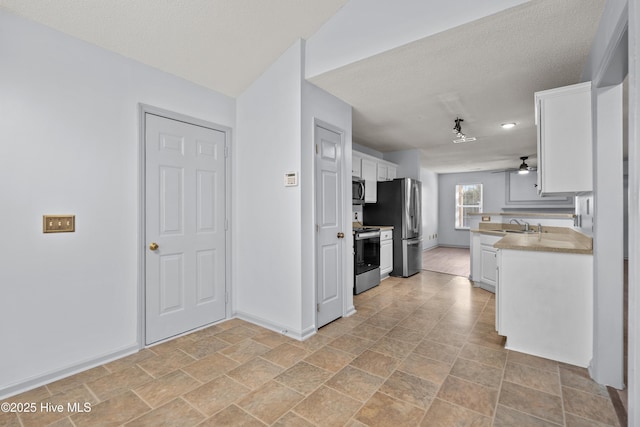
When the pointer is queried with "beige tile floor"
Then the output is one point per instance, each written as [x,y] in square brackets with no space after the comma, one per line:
[419,351]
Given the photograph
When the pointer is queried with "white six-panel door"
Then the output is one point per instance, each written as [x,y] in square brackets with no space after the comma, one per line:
[329,246]
[185,226]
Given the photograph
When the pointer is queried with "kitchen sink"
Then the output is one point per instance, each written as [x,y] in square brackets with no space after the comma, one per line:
[520,231]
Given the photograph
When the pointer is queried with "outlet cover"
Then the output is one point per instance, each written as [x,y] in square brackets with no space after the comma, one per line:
[58,223]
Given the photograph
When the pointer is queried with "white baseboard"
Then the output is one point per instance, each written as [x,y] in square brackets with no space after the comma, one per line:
[299,335]
[350,311]
[451,246]
[39,380]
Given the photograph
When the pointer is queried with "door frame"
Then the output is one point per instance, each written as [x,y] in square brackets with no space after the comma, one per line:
[347,266]
[143,109]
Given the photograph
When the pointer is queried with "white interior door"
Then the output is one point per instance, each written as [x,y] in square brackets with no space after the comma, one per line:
[185,226]
[330,236]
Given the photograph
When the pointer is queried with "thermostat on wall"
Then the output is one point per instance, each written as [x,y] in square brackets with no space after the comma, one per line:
[291,179]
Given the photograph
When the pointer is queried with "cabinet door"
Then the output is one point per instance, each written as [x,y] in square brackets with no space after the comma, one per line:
[386,256]
[488,264]
[564,139]
[356,166]
[369,174]
[475,257]
[391,173]
[382,172]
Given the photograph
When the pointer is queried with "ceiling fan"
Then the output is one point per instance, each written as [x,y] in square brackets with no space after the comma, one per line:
[523,169]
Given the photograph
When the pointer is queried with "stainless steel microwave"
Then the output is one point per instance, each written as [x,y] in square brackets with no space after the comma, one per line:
[357,191]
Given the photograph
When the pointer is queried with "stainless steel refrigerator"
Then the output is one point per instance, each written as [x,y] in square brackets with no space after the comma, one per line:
[400,205]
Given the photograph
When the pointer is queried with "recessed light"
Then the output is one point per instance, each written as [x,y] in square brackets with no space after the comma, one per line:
[507,125]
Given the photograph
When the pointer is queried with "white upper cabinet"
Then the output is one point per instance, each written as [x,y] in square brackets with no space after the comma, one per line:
[369,174]
[391,172]
[386,171]
[371,169]
[356,165]
[563,120]
[382,172]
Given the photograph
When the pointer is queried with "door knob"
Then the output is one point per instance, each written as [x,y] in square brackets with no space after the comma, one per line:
[340,235]
[153,246]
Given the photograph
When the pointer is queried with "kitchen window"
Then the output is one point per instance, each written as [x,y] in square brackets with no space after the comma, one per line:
[468,200]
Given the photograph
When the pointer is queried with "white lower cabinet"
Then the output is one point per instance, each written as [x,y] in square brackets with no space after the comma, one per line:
[545,304]
[488,265]
[484,262]
[386,252]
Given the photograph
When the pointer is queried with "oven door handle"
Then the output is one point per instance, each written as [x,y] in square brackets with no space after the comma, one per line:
[367,235]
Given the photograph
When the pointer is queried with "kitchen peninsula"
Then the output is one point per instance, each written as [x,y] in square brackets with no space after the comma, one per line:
[543,279]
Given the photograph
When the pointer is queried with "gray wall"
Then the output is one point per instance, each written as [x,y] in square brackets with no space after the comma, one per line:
[367,150]
[408,162]
[492,195]
[429,208]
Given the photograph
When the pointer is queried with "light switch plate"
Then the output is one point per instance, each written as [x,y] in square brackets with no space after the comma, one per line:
[58,223]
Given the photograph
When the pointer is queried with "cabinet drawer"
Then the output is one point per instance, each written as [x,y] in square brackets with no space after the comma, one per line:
[386,235]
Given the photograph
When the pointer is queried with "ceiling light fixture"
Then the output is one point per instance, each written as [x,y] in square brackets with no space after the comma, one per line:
[457,128]
[524,168]
[460,137]
[507,125]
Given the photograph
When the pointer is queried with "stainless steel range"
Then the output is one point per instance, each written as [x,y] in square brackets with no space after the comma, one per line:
[366,256]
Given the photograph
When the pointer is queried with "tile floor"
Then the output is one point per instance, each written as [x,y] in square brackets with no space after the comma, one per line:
[420,351]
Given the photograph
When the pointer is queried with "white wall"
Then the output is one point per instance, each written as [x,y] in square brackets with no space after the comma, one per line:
[633,384]
[267,223]
[613,15]
[429,208]
[274,228]
[606,68]
[70,146]
[318,104]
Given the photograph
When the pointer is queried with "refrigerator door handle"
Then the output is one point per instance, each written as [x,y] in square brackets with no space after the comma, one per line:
[416,206]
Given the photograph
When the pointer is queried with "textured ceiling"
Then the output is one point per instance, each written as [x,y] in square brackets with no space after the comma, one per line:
[485,72]
[220,44]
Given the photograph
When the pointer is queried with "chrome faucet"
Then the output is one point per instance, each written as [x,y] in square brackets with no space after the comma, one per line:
[524,224]
[539,229]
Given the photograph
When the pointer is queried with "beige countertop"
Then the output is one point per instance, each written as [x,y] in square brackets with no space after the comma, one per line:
[526,214]
[381,227]
[552,239]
